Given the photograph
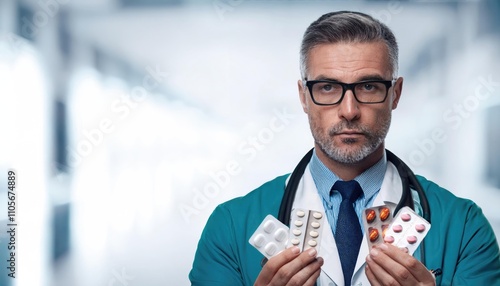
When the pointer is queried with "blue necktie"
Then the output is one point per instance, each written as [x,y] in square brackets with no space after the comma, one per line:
[348,234]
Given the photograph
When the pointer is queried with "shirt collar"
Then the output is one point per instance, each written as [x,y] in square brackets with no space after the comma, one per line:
[370,180]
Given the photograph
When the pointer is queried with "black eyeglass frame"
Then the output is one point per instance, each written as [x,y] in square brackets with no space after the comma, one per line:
[348,86]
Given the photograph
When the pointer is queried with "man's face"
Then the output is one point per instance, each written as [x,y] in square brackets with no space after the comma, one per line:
[350,131]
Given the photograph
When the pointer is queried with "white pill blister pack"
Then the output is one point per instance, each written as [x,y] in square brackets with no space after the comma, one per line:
[305,228]
[407,230]
[271,237]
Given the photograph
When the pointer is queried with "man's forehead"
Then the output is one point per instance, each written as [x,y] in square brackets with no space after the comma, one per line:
[355,59]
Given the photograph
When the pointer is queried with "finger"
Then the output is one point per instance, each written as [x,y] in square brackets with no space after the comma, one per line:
[307,275]
[289,270]
[312,280]
[410,263]
[393,270]
[413,268]
[378,273]
[371,276]
[275,263]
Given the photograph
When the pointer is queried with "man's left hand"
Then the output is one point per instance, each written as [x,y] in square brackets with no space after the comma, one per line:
[389,265]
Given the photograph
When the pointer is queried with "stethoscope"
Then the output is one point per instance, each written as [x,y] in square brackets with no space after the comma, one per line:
[408,178]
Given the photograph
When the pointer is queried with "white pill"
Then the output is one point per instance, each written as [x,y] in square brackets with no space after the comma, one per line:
[298,223]
[315,224]
[259,240]
[280,234]
[271,248]
[314,234]
[296,232]
[269,226]
[312,243]
[301,213]
[317,215]
[295,241]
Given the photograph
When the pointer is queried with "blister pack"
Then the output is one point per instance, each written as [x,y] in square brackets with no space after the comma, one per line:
[407,230]
[305,228]
[271,237]
[376,221]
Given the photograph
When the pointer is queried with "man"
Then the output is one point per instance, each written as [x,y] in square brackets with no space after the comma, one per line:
[349,88]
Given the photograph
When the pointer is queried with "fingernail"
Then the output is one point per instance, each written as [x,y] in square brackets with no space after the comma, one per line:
[383,246]
[312,252]
[320,260]
[295,250]
[374,252]
[405,249]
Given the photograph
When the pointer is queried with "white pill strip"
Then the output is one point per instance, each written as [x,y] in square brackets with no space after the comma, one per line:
[271,237]
[305,228]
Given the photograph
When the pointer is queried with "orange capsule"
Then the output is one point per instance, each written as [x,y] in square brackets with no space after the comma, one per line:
[384,213]
[370,216]
[373,234]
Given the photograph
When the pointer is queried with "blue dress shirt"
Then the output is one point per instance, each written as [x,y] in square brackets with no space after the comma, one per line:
[370,181]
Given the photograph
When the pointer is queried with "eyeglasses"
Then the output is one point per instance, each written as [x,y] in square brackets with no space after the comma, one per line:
[329,92]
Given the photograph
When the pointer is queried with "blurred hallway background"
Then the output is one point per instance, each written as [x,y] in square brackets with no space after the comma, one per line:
[128,121]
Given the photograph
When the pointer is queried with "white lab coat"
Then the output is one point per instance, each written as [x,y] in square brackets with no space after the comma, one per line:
[307,197]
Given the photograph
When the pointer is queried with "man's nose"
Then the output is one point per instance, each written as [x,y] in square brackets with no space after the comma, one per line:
[349,107]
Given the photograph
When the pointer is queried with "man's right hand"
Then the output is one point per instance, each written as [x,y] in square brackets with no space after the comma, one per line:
[291,268]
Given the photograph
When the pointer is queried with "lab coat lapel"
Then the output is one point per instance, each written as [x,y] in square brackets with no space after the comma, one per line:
[392,187]
[307,197]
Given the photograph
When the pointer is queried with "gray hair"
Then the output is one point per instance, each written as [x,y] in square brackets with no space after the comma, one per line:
[347,27]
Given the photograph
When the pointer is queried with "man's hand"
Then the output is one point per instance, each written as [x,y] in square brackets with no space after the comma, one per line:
[291,268]
[388,265]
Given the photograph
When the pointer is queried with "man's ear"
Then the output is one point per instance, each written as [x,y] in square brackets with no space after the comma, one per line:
[302,95]
[398,89]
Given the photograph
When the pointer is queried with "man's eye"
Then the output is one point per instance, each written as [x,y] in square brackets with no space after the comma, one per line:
[368,87]
[327,87]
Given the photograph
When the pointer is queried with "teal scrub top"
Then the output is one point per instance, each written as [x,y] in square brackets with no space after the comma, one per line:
[461,242]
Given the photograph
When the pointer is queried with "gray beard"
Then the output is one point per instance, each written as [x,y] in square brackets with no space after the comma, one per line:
[374,140]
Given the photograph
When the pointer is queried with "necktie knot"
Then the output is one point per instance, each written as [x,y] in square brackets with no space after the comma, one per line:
[350,190]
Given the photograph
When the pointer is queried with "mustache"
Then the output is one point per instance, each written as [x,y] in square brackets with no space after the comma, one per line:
[338,128]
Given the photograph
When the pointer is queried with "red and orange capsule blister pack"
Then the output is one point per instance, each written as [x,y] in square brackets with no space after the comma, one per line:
[376,221]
